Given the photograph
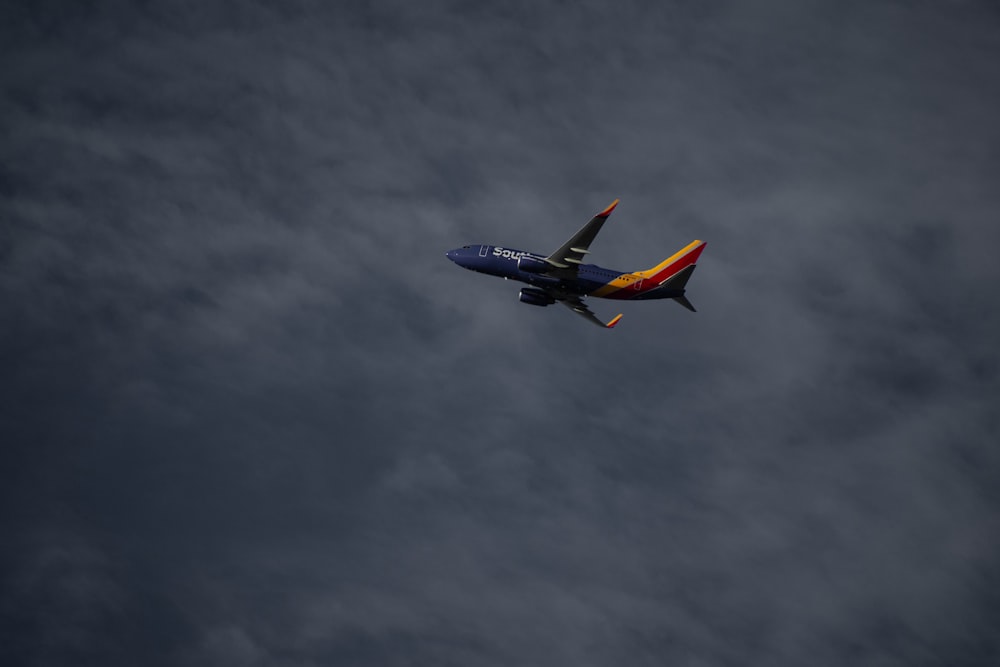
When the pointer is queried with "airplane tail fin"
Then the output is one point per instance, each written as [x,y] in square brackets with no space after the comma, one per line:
[673,265]
[679,280]
[672,274]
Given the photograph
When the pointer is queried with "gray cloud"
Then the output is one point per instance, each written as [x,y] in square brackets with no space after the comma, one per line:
[252,415]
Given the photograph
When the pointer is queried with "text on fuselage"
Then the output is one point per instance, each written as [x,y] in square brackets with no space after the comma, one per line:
[509,254]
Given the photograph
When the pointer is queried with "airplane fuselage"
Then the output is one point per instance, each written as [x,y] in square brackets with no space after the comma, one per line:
[590,279]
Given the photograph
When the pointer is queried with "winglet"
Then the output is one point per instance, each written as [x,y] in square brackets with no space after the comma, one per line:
[606,212]
[612,323]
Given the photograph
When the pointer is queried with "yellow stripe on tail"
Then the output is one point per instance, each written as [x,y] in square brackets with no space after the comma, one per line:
[680,260]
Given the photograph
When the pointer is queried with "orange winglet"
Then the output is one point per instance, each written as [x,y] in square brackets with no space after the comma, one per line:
[606,212]
[612,323]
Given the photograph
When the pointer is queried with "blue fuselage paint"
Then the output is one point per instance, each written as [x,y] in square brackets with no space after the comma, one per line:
[502,262]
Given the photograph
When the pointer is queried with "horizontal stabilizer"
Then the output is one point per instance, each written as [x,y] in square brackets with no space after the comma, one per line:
[683,300]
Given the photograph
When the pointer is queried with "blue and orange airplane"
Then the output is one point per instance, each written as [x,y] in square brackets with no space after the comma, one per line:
[563,277]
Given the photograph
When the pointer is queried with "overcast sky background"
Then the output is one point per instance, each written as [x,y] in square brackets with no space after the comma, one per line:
[251,415]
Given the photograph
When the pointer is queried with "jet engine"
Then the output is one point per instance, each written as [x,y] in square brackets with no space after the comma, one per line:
[530,264]
[535,297]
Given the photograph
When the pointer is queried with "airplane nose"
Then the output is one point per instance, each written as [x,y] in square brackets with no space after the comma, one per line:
[451,255]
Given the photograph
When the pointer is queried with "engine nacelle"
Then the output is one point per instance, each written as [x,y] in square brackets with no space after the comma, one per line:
[530,264]
[535,297]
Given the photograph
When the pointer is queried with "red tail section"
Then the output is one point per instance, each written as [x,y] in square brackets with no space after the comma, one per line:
[685,257]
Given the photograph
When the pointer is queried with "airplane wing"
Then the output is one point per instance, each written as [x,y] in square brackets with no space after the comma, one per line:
[571,254]
[577,305]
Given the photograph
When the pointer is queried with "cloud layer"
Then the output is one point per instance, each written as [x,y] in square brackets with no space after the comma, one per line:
[251,415]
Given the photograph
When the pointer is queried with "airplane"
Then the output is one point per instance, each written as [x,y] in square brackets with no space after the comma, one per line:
[564,278]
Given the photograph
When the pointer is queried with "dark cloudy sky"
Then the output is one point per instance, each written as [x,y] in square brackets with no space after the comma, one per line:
[251,415]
